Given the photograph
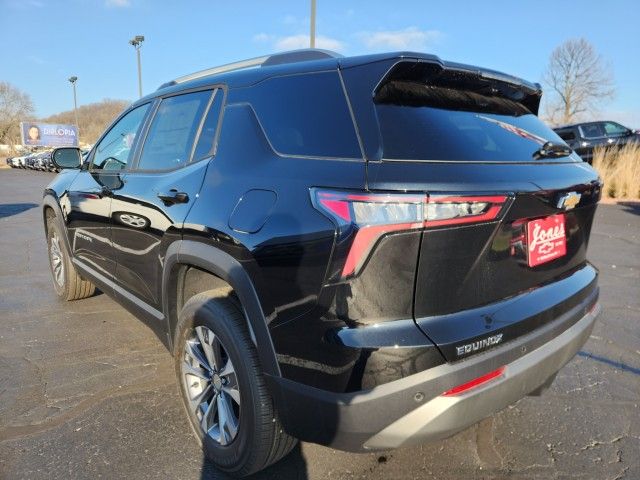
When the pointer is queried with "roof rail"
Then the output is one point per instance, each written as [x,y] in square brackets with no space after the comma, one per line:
[303,55]
[292,56]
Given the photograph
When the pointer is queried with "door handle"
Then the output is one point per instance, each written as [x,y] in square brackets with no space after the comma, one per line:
[173,196]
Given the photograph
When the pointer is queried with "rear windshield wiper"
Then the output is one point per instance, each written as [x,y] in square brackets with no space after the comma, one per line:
[552,150]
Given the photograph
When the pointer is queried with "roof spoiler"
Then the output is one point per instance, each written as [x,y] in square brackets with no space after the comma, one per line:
[432,71]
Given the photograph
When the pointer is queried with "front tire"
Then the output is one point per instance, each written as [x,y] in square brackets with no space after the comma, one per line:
[68,283]
[223,389]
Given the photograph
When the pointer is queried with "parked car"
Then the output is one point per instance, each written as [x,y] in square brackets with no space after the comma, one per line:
[30,161]
[38,161]
[44,156]
[332,251]
[20,161]
[8,161]
[50,166]
[15,162]
[44,161]
[584,137]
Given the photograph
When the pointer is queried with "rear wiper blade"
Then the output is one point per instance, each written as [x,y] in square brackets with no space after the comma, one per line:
[552,150]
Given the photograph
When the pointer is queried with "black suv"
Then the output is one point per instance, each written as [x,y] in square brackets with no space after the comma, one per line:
[583,138]
[364,252]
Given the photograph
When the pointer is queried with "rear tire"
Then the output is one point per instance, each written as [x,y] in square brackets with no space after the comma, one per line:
[214,319]
[68,283]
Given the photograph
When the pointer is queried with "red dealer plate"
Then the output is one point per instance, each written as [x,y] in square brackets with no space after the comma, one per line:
[546,239]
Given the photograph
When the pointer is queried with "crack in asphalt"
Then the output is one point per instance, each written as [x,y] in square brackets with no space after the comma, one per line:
[595,443]
[14,432]
[488,455]
[607,361]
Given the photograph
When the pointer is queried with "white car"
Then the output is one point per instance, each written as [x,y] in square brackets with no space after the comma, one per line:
[19,162]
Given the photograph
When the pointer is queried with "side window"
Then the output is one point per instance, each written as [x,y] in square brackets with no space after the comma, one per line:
[207,138]
[592,130]
[173,130]
[615,129]
[115,149]
[306,115]
[566,135]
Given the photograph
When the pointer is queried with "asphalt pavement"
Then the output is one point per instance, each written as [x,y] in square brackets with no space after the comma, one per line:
[87,391]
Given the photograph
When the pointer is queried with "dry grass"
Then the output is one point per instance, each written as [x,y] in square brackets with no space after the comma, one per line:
[620,171]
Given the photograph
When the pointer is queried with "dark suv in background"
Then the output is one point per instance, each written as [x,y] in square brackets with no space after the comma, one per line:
[584,137]
[364,252]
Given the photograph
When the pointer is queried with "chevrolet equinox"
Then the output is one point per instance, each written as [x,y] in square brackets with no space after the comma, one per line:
[365,252]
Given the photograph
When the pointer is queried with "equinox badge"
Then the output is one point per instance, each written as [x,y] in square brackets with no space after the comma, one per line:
[479,345]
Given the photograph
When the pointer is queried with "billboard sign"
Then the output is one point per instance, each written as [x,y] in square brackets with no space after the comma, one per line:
[48,135]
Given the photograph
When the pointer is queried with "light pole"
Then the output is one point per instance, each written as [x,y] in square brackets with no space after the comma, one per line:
[73,81]
[312,33]
[137,44]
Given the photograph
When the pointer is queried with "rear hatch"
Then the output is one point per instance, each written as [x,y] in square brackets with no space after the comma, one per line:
[510,207]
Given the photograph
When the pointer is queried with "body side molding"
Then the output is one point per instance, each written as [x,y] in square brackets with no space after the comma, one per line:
[95,275]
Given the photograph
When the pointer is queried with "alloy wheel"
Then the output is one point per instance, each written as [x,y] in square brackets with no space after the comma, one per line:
[57,260]
[211,385]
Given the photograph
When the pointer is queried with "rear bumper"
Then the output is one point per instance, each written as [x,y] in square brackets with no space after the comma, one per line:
[412,410]
[443,416]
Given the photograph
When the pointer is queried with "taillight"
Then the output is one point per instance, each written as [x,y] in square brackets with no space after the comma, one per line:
[448,210]
[369,216]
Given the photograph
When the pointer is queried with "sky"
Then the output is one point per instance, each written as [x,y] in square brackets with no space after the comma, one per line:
[43,43]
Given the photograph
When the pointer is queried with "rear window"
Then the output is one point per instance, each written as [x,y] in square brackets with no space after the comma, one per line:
[306,115]
[418,122]
[593,130]
[615,129]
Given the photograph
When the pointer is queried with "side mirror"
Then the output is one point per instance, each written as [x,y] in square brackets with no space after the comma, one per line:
[67,157]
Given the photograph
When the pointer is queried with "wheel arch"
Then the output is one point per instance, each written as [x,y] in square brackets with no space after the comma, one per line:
[184,254]
[50,204]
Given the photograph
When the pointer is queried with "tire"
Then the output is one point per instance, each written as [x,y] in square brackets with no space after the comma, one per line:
[68,284]
[259,440]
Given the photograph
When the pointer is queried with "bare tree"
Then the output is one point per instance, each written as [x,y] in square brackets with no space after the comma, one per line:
[94,117]
[15,106]
[579,80]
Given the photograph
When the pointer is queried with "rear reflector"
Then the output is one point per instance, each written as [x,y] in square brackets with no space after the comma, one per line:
[476,382]
[376,214]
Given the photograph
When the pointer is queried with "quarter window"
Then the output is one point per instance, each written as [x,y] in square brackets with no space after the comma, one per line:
[306,115]
[115,149]
[173,130]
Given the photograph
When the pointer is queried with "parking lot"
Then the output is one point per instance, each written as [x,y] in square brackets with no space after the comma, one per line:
[86,391]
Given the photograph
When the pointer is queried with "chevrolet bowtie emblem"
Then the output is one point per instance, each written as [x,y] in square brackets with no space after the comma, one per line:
[569,201]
